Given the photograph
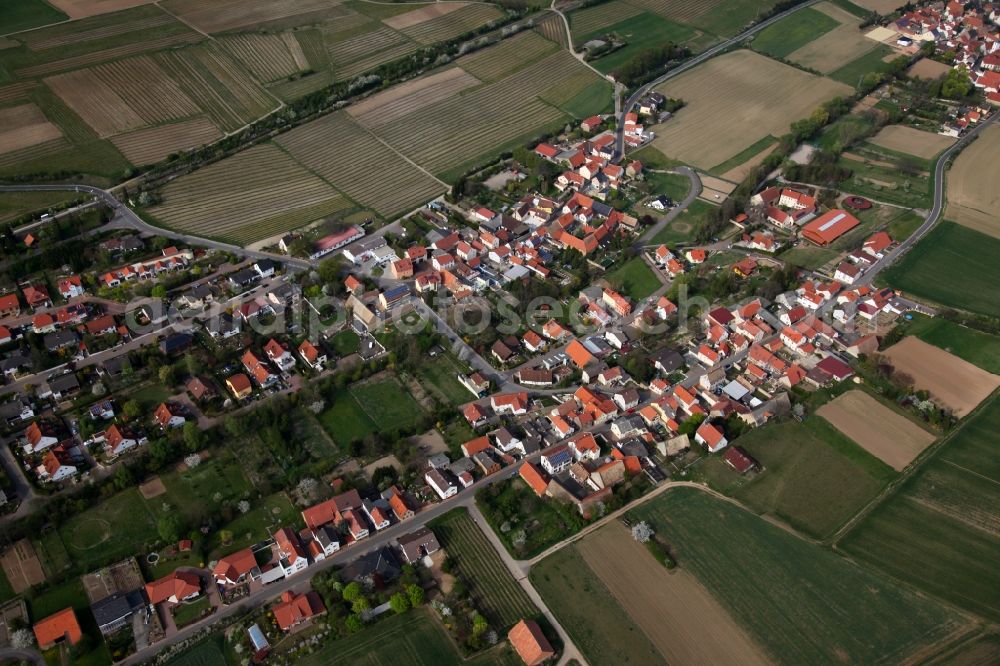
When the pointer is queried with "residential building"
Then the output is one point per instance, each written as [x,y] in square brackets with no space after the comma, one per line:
[557,459]
[441,483]
[416,545]
[57,628]
[529,642]
[236,568]
[294,609]
[174,588]
[168,415]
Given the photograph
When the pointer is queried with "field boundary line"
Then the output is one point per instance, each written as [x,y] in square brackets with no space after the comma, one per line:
[193,27]
[966,469]
[404,157]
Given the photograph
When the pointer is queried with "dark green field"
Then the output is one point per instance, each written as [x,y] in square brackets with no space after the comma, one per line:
[940,531]
[17,15]
[793,32]
[951,265]
[814,478]
[802,603]
[852,72]
[115,528]
[641,32]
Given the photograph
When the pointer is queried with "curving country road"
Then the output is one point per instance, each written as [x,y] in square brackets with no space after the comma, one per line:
[692,194]
[689,64]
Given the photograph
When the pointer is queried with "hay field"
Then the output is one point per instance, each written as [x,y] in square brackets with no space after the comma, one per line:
[421,14]
[909,140]
[399,100]
[269,57]
[226,15]
[507,57]
[843,44]
[731,105]
[451,24]
[123,95]
[361,166]
[25,126]
[890,437]
[972,192]
[685,623]
[252,195]
[951,381]
[76,9]
[148,146]
[925,68]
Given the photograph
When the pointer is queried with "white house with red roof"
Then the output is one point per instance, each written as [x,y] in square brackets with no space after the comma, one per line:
[710,437]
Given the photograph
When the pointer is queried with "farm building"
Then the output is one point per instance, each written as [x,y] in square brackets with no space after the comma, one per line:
[829,226]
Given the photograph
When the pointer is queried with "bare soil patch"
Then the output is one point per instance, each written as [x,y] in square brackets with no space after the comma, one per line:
[951,381]
[152,488]
[973,195]
[890,437]
[737,174]
[425,13]
[679,616]
[831,50]
[881,6]
[120,577]
[925,68]
[711,128]
[24,126]
[22,567]
[387,461]
[82,8]
[432,442]
[911,141]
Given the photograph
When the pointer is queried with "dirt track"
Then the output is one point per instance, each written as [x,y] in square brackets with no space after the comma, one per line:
[890,437]
[951,381]
[685,623]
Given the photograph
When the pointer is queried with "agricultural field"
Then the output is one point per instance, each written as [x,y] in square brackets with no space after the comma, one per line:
[814,478]
[416,634]
[438,23]
[756,570]
[939,531]
[15,204]
[980,349]
[503,602]
[640,32]
[597,19]
[875,60]
[794,32]
[973,197]
[25,127]
[925,68]
[551,27]
[738,167]
[718,17]
[905,139]
[252,195]
[586,609]
[842,43]
[948,266]
[634,278]
[153,144]
[27,14]
[680,617]
[887,435]
[394,185]
[508,56]
[367,50]
[951,382]
[269,57]
[230,15]
[706,132]
[394,103]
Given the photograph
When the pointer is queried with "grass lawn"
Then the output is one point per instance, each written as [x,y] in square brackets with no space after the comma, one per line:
[791,33]
[17,15]
[344,419]
[438,374]
[976,347]
[166,565]
[273,512]
[652,158]
[634,278]
[149,396]
[938,531]
[950,265]
[55,599]
[596,98]
[16,204]
[192,493]
[206,653]
[903,226]
[674,185]
[415,637]
[308,429]
[814,478]
[53,551]
[685,226]
[387,403]
[800,602]
[116,527]
[186,613]
[345,342]
[872,61]
[640,32]
[744,155]
[598,625]
[503,602]
[809,258]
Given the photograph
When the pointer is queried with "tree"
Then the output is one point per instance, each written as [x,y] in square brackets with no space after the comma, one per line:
[193,439]
[166,375]
[353,624]
[479,624]
[642,532]
[159,291]
[132,409]
[399,603]
[353,591]
[360,605]
[22,639]
[169,527]
[415,594]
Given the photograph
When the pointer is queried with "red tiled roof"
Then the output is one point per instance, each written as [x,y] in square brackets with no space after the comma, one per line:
[530,643]
[57,627]
[179,584]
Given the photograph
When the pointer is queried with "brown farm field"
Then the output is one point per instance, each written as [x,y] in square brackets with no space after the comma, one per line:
[973,195]
[451,24]
[227,15]
[712,128]
[678,615]
[148,146]
[909,140]
[890,437]
[25,126]
[925,68]
[76,9]
[252,195]
[951,381]
[269,57]
[421,14]
[883,7]
[21,566]
[831,50]
[397,101]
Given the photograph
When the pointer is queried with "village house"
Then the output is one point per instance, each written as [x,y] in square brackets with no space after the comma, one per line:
[71,286]
[295,609]
[58,628]
[417,545]
[279,355]
[529,642]
[168,415]
[236,568]
[710,437]
[312,356]
[57,465]
[239,385]
[440,481]
[174,588]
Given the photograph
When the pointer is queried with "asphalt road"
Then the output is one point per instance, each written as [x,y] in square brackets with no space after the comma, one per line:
[692,194]
[689,64]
